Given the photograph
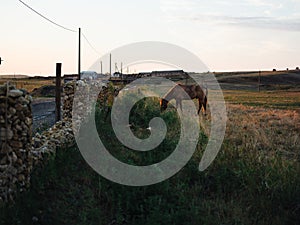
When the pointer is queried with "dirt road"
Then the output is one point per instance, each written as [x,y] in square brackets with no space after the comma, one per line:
[43,114]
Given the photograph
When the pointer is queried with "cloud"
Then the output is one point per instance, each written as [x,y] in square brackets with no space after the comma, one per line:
[263,3]
[263,14]
[253,22]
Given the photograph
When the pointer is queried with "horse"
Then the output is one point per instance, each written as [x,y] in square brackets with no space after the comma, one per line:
[177,93]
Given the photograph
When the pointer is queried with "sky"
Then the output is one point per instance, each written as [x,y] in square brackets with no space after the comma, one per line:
[227,35]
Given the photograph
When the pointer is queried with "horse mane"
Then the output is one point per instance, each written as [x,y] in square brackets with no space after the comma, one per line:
[169,93]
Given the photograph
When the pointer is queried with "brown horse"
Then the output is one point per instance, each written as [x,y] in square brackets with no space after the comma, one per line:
[192,92]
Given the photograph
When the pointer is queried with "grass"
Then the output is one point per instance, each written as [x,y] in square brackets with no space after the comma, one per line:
[254,179]
[28,83]
[266,99]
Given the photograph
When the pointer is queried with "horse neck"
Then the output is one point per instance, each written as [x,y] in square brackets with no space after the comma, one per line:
[170,95]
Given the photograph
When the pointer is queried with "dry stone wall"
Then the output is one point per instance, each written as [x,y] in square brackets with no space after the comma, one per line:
[83,101]
[15,141]
[20,153]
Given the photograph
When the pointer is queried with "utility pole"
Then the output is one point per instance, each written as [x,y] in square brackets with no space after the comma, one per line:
[121,67]
[101,67]
[79,54]
[110,64]
[1,60]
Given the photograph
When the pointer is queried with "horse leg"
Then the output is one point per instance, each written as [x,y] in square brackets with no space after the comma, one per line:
[204,105]
[200,105]
[180,104]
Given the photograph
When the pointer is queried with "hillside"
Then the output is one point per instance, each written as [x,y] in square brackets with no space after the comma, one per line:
[268,80]
[14,76]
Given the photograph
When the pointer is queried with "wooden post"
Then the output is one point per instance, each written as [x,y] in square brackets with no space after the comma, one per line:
[259,73]
[58,92]
[79,54]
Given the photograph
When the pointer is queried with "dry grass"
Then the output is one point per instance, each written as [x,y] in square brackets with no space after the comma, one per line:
[266,121]
[271,131]
[268,99]
[28,84]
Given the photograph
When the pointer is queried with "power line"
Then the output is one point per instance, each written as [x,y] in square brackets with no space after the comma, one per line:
[51,21]
[90,44]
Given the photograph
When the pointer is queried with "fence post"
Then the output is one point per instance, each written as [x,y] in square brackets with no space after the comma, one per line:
[58,93]
[259,74]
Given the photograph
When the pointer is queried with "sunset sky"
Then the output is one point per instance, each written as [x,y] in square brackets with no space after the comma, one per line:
[225,35]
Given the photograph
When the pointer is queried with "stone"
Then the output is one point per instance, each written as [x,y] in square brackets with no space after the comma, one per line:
[3,160]
[25,92]
[19,128]
[19,107]
[21,177]
[16,144]
[36,142]
[5,148]
[2,89]
[6,131]
[3,168]
[12,110]
[28,98]
[35,219]
[16,121]
[14,157]
[23,101]
[19,161]
[15,93]
[28,121]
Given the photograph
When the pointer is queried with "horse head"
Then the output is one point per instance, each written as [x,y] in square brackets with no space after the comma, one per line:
[163,104]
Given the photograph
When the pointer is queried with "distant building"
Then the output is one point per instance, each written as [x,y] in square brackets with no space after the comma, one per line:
[116,74]
[69,77]
[179,74]
[90,75]
[169,74]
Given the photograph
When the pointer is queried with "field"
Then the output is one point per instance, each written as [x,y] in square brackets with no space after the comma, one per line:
[28,83]
[267,99]
[254,179]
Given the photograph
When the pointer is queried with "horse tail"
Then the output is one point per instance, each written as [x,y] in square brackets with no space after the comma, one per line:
[205,100]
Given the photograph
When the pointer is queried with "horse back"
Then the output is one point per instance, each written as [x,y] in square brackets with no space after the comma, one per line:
[194,91]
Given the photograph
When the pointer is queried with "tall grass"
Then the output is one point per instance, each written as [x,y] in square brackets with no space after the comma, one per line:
[242,186]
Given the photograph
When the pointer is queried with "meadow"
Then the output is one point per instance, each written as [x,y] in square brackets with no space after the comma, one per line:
[28,83]
[253,180]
